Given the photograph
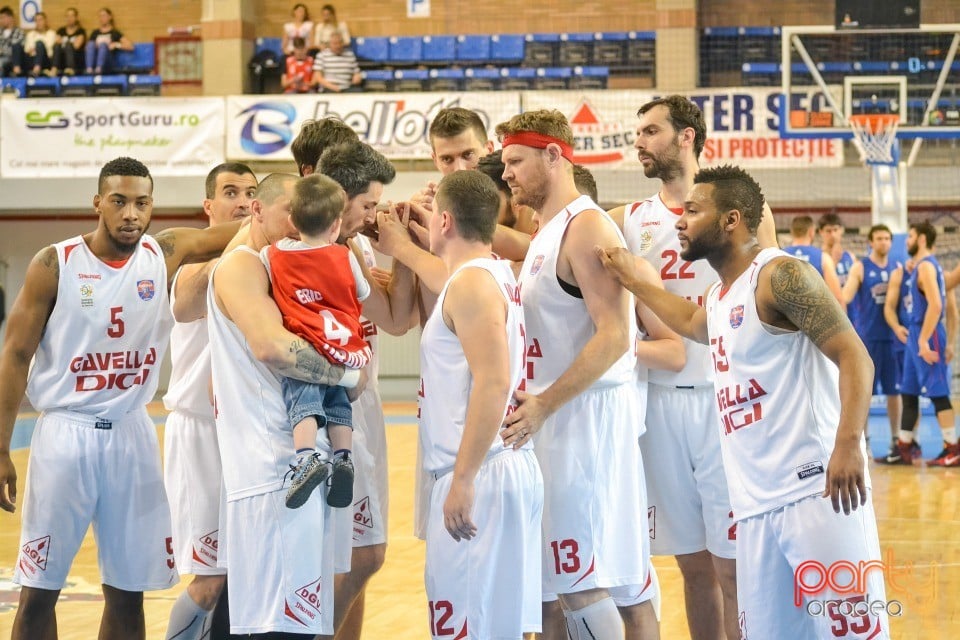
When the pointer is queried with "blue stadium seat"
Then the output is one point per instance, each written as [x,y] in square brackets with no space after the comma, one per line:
[410,79]
[405,50]
[481,79]
[377,80]
[439,49]
[111,85]
[371,51]
[610,48]
[575,49]
[641,50]
[140,60]
[541,49]
[270,44]
[446,79]
[14,85]
[143,85]
[552,78]
[585,78]
[517,78]
[473,49]
[506,49]
[76,86]
[42,87]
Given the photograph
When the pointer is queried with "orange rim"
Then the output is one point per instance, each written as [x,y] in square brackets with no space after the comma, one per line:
[875,122]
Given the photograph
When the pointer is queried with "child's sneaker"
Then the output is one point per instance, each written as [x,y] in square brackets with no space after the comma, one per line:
[307,475]
[341,482]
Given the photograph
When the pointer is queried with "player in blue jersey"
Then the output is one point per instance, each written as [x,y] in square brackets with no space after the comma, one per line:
[801,232]
[926,364]
[830,229]
[866,289]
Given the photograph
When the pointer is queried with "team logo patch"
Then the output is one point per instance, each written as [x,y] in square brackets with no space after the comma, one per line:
[34,554]
[736,316]
[305,604]
[537,265]
[206,551]
[809,469]
[646,240]
[86,295]
[362,514]
[145,289]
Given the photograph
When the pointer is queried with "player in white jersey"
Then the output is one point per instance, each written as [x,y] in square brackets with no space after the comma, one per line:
[581,384]
[93,313]
[192,474]
[485,508]
[771,318]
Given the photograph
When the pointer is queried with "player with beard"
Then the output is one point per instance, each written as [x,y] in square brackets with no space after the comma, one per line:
[94,315]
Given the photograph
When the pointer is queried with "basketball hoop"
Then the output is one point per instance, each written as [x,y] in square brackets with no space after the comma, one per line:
[875,135]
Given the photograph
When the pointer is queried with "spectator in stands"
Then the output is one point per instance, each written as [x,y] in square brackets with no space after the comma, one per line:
[11,42]
[329,26]
[68,51]
[38,45]
[298,76]
[103,41]
[336,69]
[300,27]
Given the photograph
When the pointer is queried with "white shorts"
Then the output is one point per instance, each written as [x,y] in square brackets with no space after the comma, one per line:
[689,505]
[193,478]
[634,594]
[83,469]
[281,565]
[488,588]
[773,545]
[422,490]
[594,497]
[370,486]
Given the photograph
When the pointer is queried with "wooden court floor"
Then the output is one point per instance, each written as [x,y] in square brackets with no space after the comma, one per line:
[918,512]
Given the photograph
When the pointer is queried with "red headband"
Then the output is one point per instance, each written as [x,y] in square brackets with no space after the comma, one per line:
[538,141]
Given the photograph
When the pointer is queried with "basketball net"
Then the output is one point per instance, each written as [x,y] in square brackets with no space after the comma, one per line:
[875,136]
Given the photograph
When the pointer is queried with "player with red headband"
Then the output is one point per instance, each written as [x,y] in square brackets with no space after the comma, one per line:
[580,399]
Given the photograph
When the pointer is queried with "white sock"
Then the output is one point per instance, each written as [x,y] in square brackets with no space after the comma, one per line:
[188,620]
[949,435]
[598,621]
[906,436]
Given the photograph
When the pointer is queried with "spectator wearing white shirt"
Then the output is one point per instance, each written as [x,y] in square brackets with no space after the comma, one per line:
[300,27]
[38,45]
[328,26]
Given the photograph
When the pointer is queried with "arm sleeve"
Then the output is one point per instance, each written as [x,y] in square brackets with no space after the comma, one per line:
[363,287]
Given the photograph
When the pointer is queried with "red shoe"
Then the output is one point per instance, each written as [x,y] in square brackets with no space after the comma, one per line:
[949,457]
[901,453]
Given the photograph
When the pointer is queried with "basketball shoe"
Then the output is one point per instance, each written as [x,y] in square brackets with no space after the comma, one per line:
[949,457]
[341,481]
[306,476]
[901,453]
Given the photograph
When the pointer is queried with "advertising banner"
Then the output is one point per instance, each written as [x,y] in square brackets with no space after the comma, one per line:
[74,137]
[742,126]
[396,124]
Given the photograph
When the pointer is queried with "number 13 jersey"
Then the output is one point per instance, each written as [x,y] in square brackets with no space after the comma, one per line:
[649,230]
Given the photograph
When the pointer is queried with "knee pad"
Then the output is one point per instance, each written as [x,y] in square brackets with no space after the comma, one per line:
[598,620]
[911,411]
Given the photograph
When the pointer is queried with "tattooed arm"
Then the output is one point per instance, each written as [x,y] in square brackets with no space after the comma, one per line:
[792,295]
[25,326]
[242,292]
[183,245]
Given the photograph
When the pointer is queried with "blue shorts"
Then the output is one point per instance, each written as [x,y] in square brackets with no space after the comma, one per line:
[920,378]
[887,365]
[329,404]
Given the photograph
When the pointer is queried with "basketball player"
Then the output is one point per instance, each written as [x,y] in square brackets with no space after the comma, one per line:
[866,288]
[580,386]
[926,367]
[770,314]
[689,506]
[314,137]
[93,313]
[830,228]
[485,508]
[801,246]
[458,140]
[192,474]
[280,560]
[511,215]
[363,172]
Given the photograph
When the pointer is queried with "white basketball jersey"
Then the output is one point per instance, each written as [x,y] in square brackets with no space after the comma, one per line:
[648,228]
[557,323]
[778,399]
[100,352]
[370,331]
[190,370]
[254,433]
[445,379]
